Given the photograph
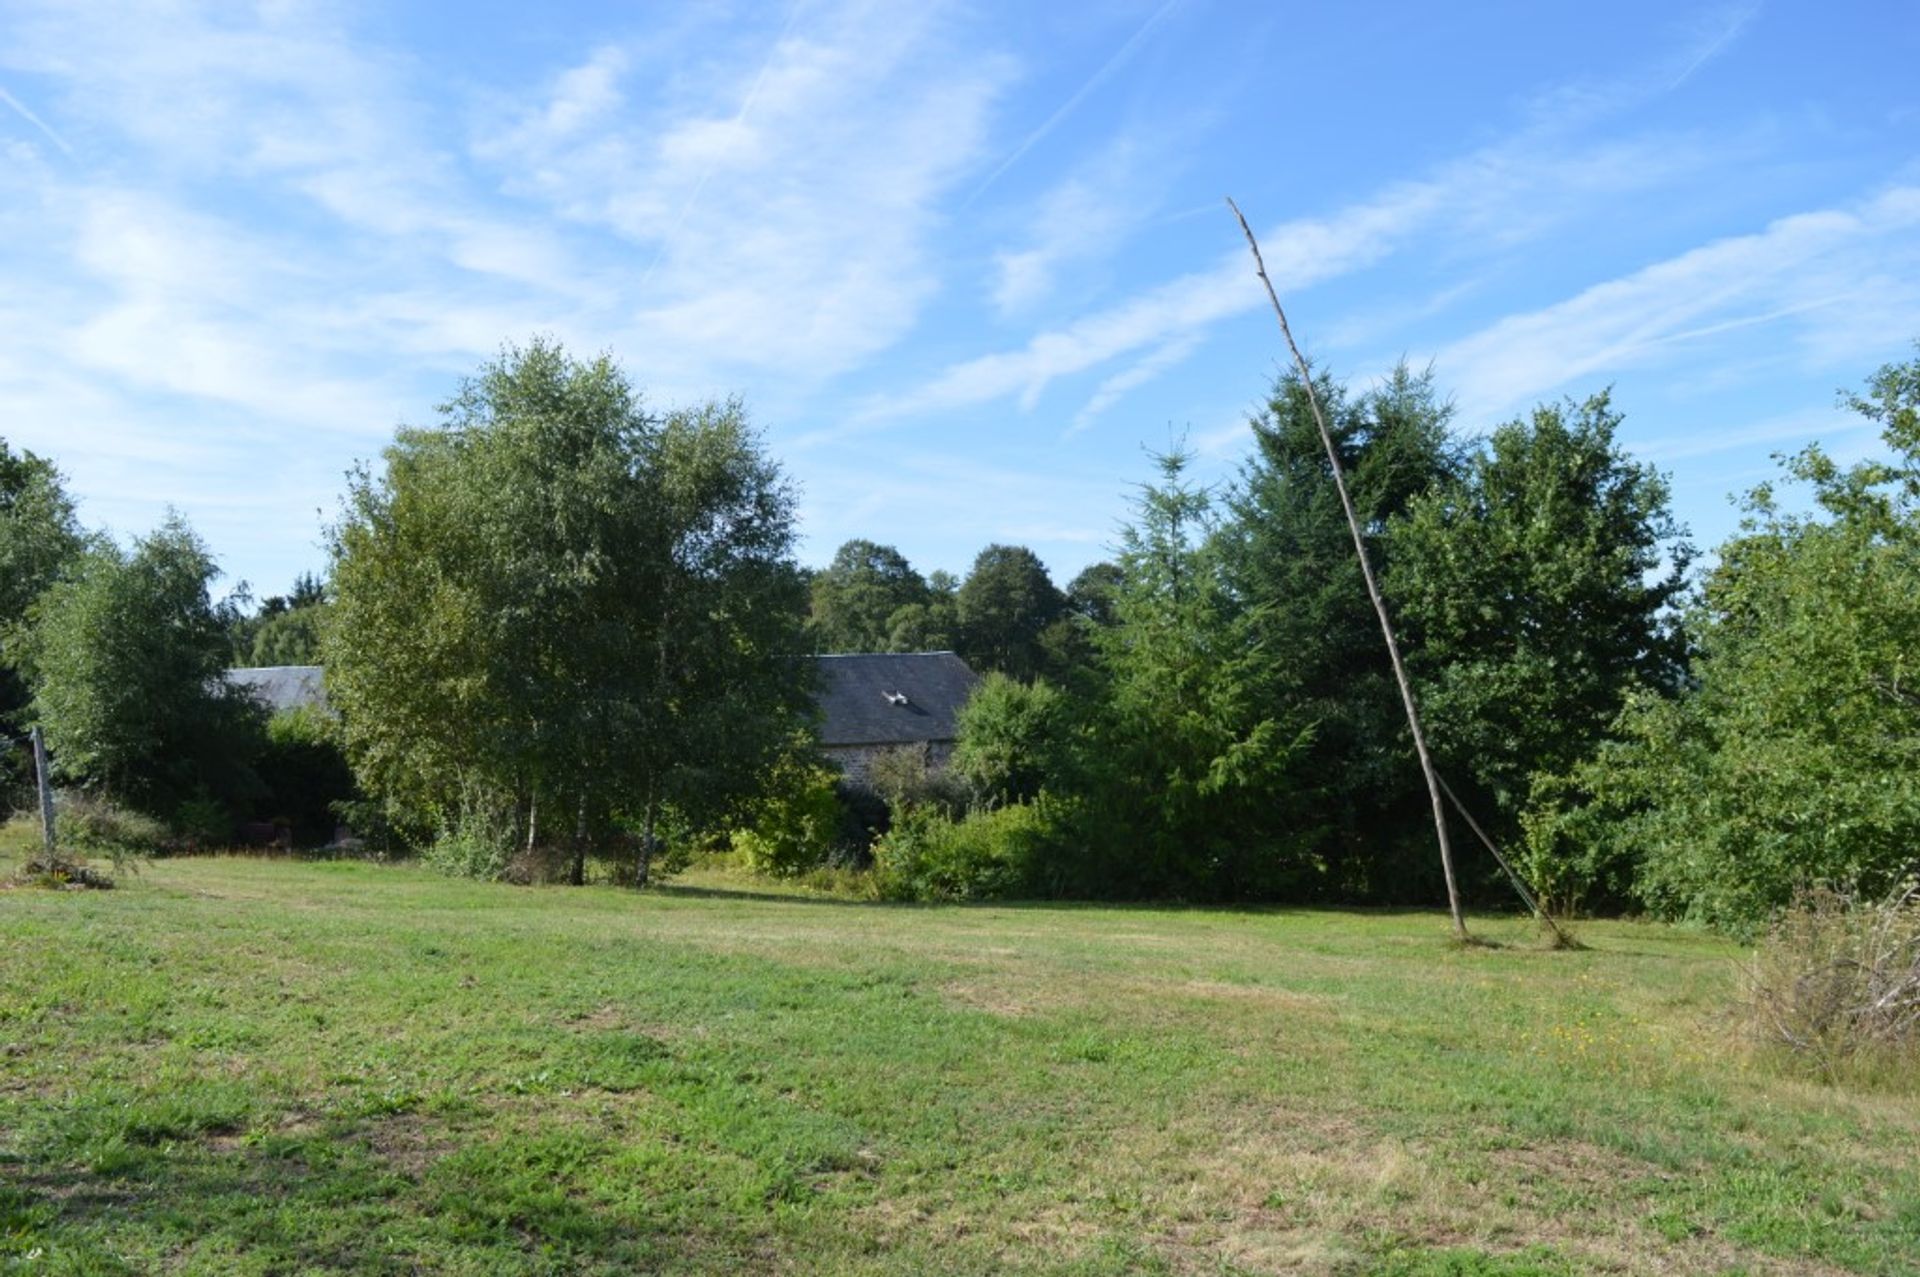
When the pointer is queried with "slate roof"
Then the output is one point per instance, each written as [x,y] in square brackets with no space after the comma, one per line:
[856,708]
[281,687]
[856,694]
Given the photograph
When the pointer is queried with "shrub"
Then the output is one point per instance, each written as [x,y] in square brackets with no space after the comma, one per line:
[87,826]
[1835,984]
[93,826]
[305,773]
[988,855]
[795,826]
[1014,739]
[479,843]
[905,778]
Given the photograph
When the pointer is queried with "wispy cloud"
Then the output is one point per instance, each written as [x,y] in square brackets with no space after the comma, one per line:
[1119,59]
[1117,387]
[818,169]
[1301,253]
[1806,272]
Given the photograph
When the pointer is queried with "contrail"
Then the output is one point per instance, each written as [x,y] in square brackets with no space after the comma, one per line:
[1114,63]
[1734,28]
[739,117]
[36,121]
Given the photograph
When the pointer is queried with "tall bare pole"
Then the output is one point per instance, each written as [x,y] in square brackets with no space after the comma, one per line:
[45,781]
[1373,586]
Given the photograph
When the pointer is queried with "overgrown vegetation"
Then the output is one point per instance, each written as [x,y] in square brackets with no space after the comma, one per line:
[1835,986]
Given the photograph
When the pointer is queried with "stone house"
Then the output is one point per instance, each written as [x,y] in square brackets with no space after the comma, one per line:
[871,703]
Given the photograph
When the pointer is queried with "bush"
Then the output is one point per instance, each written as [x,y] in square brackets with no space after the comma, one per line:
[480,843]
[87,827]
[93,826]
[988,855]
[1835,985]
[906,778]
[305,774]
[796,826]
[1014,739]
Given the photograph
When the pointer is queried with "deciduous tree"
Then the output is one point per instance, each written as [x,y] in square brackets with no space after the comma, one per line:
[124,657]
[557,615]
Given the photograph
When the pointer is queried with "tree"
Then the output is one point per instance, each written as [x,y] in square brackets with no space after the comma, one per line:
[125,657]
[1014,739]
[1790,759]
[1288,556]
[1537,589]
[290,637]
[557,616]
[857,598]
[39,532]
[929,626]
[39,539]
[1185,761]
[1005,606]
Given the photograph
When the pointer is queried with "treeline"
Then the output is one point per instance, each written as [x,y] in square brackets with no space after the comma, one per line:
[560,629]
[1213,715]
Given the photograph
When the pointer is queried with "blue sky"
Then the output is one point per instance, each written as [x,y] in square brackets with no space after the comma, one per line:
[963,262]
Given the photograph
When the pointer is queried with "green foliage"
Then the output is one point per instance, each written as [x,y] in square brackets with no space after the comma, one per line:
[40,539]
[904,777]
[564,611]
[304,773]
[796,824]
[857,602]
[286,628]
[1185,761]
[1791,758]
[39,532]
[90,825]
[989,854]
[1536,589]
[1014,737]
[125,658]
[479,841]
[1005,607]
[292,637]
[1318,667]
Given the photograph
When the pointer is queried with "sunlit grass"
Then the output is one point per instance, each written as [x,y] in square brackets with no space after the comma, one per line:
[235,1066]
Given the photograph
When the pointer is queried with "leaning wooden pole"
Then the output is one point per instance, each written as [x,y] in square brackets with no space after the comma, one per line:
[43,778]
[1373,586]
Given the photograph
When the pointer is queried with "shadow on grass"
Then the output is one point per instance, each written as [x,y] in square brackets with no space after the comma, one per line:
[333,1199]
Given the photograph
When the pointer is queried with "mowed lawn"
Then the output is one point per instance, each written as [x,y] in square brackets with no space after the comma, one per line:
[240,1066]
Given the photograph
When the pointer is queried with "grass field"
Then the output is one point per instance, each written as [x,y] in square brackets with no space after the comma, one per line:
[237,1066]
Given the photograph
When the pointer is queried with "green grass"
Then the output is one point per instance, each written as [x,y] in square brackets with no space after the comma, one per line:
[236,1066]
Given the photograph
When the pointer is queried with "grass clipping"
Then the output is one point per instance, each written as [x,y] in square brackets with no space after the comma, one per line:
[1835,986]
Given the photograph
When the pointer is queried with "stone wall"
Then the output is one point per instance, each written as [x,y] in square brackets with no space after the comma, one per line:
[855,761]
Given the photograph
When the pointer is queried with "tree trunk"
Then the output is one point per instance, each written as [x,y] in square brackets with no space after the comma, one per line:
[577,876]
[644,865]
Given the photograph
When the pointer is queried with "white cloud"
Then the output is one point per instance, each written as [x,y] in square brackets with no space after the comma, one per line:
[1473,197]
[1841,281]
[1117,387]
[1082,218]
[784,204]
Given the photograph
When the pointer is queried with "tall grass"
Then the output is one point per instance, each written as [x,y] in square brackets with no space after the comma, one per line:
[1835,986]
